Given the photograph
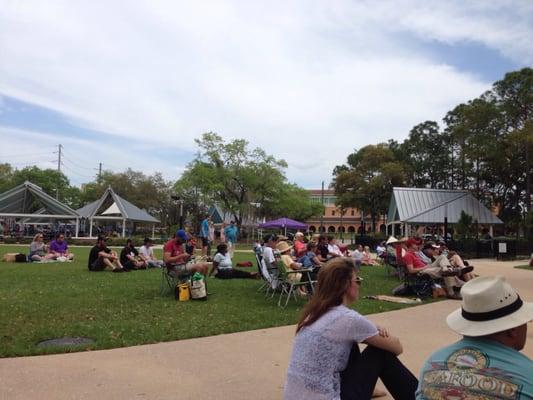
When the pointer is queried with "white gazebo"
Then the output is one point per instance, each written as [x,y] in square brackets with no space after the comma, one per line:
[119,210]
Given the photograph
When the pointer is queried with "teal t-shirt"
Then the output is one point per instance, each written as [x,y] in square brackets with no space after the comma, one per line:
[476,369]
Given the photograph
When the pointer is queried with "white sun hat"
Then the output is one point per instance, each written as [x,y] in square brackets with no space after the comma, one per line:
[391,240]
[489,305]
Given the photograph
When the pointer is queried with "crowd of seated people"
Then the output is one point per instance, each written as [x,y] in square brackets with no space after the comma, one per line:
[432,261]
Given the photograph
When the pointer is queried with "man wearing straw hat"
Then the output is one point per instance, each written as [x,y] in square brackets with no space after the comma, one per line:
[487,363]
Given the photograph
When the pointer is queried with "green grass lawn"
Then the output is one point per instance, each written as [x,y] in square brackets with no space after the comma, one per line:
[525,266]
[44,301]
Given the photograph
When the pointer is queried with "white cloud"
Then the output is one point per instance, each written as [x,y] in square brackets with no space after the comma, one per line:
[305,81]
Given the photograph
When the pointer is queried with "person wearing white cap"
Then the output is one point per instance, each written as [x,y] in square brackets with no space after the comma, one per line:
[486,363]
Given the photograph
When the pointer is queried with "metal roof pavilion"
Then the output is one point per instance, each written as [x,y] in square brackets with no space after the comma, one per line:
[430,206]
[30,202]
[126,211]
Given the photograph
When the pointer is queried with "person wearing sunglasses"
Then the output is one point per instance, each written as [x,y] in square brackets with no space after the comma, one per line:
[39,250]
[326,362]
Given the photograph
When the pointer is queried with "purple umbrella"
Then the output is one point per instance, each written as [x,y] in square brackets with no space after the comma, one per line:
[283,223]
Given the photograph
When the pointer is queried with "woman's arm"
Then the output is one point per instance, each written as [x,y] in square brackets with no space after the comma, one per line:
[385,342]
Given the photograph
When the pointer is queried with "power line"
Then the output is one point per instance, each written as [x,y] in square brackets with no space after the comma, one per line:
[24,155]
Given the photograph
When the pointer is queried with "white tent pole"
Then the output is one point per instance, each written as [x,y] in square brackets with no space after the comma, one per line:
[153,231]
[91,227]
[77,226]
[124,228]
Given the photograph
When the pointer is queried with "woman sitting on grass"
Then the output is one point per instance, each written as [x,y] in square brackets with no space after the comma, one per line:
[39,251]
[326,362]
[223,267]
[367,257]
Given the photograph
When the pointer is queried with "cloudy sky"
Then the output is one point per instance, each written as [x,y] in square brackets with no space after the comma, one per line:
[132,84]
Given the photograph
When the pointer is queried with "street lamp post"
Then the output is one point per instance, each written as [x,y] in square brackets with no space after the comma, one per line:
[179,200]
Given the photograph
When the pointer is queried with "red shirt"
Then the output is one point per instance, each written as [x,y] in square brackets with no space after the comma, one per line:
[300,248]
[410,258]
[173,248]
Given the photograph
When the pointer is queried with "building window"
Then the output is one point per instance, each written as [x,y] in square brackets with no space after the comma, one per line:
[353,213]
[333,212]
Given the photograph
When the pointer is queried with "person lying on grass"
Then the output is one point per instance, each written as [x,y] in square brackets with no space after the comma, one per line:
[39,250]
[223,267]
[102,257]
[326,362]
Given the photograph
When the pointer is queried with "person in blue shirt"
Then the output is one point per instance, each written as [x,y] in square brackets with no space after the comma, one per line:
[204,234]
[486,363]
[231,233]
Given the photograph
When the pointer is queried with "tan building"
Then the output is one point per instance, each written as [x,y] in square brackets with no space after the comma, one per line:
[335,221]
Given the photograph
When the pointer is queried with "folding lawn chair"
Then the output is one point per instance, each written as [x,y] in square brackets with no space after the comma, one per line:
[169,281]
[287,286]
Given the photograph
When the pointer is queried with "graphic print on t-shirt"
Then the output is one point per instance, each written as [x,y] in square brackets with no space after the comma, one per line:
[467,375]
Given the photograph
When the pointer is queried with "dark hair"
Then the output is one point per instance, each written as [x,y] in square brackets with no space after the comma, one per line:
[222,248]
[129,240]
[147,240]
[330,238]
[272,236]
[311,245]
[60,234]
[333,280]
[101,238]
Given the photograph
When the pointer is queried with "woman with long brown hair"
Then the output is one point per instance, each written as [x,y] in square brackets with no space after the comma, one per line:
[326,362]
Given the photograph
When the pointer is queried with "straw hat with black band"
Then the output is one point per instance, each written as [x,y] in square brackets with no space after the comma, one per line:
[489,305]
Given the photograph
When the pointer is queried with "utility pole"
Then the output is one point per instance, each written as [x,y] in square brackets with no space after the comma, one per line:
[59,158]
[59,146]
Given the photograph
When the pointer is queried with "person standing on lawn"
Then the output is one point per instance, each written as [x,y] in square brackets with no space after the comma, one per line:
[204,235]
[326,362]
[231,232]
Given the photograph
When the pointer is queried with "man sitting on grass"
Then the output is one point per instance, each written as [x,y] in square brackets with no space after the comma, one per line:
[129,257]
[146,252]
[102,257]
[176,259]
[59,248]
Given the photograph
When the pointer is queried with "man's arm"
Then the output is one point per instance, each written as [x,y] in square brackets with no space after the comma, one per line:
[180,258]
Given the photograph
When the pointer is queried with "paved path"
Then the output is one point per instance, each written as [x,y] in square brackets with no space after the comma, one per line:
[236,366]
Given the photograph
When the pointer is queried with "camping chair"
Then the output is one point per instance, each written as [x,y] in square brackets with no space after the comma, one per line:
[287,286]
[391,265]
[169,281]
[272,283]
[419,284]
[265,278]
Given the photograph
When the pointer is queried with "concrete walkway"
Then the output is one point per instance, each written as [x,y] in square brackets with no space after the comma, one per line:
[236,366]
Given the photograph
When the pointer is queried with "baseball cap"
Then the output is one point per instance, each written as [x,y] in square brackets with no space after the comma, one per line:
[182,235]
